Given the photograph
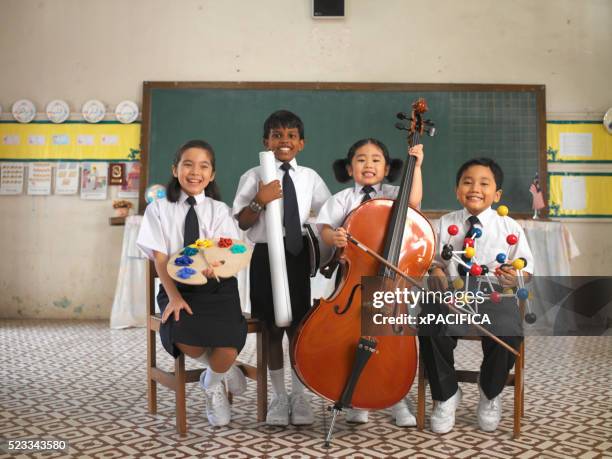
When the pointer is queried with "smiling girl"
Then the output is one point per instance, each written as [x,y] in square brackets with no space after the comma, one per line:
[204,322]
[369,164]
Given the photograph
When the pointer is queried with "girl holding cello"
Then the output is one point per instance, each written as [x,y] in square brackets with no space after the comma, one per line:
[369,165]
[390,241]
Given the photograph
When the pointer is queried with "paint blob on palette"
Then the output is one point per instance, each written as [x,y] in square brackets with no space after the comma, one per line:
[225,256]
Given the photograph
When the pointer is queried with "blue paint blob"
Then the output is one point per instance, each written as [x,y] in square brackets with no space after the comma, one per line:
[185,273]
[183,261]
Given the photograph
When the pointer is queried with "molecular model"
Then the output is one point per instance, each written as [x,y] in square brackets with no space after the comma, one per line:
[467,259]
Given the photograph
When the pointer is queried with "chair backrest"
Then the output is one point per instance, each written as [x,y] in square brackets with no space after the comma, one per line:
[151,276]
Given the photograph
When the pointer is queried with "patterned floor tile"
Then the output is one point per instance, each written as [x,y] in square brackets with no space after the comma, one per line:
[85,383]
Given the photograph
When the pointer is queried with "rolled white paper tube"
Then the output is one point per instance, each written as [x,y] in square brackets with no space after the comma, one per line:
[276,246]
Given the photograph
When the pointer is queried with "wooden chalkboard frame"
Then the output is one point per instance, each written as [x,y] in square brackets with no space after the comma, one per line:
[538,90]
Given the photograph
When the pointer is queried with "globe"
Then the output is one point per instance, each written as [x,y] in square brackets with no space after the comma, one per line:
[154,192]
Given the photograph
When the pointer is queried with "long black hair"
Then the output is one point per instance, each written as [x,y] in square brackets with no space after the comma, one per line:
[340,165]
[173,189]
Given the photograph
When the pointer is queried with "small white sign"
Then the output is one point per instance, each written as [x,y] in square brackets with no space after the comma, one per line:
[110,140]
[576,144]
[10,140]
[84,139]
[36,140]
[574,193]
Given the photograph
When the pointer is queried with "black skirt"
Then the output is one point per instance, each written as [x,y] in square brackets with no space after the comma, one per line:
[217,319]
[298,274]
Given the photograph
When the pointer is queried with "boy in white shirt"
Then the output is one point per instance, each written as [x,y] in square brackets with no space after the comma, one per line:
[479,183]
[284,135]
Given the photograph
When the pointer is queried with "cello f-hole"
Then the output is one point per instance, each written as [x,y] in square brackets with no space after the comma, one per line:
[348,302]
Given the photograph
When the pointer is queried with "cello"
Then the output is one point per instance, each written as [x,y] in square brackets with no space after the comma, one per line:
[330,355]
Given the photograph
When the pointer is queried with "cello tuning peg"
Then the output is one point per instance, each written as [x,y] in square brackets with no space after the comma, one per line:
[431,131]
[402,116]
[401,127]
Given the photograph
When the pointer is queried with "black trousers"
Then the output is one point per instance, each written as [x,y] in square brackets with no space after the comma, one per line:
[438,343]
[438,356]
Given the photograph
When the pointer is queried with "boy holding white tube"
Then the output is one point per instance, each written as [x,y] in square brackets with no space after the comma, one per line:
[284,135]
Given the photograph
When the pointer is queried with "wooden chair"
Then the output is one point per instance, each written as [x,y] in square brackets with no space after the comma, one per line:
[516,379]
[175,380]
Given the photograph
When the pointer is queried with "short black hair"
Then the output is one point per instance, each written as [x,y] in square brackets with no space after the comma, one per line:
[283,119]
[340,165]
[498,173]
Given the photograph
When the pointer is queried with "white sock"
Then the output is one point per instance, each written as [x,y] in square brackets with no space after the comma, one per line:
[212,378]
[296,385]
[277,378]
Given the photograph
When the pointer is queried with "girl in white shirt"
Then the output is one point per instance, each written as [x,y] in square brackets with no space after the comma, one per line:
[204,322]
[368,164]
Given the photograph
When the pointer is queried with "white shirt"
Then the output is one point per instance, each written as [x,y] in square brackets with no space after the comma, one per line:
[163,223]
[494,228]
[336,208]
[310,189]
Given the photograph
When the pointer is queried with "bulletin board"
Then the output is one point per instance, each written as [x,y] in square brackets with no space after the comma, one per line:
[580,194]
[578,142]
[70,141]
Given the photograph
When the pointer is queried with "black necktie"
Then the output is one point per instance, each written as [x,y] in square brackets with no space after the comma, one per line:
[473,220]
[291,216]
[192,228]
[367,190]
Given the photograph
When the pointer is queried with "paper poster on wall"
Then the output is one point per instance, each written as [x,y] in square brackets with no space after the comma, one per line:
[39,178]
[578,142]
[574,193]
[11,178]
[580,194]
[94,180]
[66,178]
[571,144]
[130,187]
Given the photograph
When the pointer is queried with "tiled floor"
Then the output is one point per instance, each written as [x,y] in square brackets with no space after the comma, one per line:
[83,382]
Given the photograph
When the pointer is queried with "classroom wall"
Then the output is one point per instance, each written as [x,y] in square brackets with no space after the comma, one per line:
[60,254]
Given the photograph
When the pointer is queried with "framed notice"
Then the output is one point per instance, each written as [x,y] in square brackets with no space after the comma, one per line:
[116,174]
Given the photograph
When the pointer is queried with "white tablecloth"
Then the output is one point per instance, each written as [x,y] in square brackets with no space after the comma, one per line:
[129,305]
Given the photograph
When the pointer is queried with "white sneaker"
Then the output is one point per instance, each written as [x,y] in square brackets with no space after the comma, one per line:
[217,406]
[489,411]
[356,416]
[402,413]
[301,412]
[278,411]
[443,416]
[236,382]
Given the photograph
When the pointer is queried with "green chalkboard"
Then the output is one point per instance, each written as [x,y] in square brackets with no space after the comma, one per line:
[506,122]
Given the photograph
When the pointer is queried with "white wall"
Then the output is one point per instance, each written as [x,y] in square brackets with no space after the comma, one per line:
[60,251]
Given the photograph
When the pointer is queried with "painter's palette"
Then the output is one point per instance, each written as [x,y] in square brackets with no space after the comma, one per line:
[226,256]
